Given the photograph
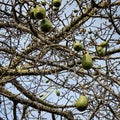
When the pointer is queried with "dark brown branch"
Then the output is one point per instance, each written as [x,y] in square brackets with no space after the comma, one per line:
[53,116]
[24,111]
[14,110]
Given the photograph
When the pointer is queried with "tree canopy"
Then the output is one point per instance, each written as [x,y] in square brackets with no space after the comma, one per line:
[54,52]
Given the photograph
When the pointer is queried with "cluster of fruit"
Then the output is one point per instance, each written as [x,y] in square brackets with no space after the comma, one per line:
[38,12]
[82,102]
[87,59]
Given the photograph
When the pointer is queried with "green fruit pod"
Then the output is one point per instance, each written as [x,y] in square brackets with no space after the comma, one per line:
[39,12]
[77,46]
[100,51]
[45,25]
[57,92]
[82,103]
[47,81]
[56,3]
[87,62]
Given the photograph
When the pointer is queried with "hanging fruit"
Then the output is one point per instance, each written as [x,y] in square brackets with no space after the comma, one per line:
[47,81]
[39,12]
[100,51]
[56,3]
[82,103]
[87,62]
[46,25]
[57,92]
[77,46]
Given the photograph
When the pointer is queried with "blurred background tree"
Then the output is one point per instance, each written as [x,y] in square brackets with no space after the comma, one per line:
[52,52]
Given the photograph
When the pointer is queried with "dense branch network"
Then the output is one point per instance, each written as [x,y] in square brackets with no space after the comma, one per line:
[29,56]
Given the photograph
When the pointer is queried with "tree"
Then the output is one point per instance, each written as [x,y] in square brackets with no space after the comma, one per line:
[35,64]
